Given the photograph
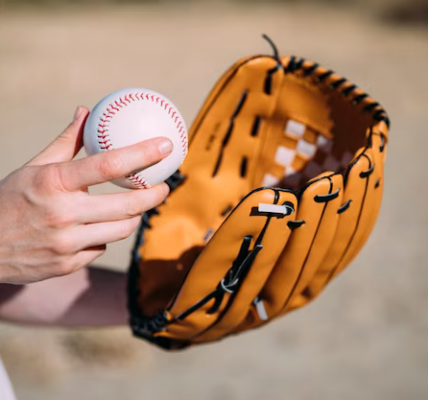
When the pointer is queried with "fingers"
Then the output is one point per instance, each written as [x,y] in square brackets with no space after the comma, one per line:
[106,166]
[78,260]
[115,207]
[67,145]
[86,256]
[92,235]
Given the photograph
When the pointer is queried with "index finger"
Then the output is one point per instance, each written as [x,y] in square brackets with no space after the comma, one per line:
[113,164]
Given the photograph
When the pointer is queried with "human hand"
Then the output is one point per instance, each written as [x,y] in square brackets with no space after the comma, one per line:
[49,223]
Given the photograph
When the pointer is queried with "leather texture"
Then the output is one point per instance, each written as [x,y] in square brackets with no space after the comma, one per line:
[280,133]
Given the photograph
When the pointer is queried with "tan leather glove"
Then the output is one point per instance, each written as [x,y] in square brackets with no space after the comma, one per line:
[280,190]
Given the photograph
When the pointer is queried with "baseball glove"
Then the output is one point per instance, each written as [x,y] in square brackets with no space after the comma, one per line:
[280,190]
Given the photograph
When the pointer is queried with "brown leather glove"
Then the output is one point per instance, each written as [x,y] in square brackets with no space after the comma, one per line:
[280,190]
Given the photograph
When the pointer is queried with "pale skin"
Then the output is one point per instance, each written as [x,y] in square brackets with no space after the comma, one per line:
[52,229]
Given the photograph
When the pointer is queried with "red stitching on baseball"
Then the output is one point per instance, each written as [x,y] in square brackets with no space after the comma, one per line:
[138,181]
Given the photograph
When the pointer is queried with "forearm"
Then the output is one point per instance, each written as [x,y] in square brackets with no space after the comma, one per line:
[89,297]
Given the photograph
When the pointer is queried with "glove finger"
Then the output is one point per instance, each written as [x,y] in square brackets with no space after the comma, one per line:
[357,202]
[312,234]
[373,197]
[247,296]
[222,284]
[319,242]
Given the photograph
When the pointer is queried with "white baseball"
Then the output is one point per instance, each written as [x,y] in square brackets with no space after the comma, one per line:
[129,116]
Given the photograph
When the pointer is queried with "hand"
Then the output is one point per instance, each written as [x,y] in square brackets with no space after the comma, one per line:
[51,226]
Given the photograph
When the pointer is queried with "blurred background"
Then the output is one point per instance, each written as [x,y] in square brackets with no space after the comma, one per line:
[366,336]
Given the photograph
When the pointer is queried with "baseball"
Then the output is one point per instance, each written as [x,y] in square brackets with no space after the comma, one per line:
[129,116]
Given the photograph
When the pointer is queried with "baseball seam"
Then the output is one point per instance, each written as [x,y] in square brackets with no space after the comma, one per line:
[104,140]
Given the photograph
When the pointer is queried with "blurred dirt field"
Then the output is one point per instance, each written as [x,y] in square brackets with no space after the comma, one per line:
[365,337]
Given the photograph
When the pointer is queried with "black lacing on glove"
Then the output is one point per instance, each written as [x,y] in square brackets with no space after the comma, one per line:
[296,64]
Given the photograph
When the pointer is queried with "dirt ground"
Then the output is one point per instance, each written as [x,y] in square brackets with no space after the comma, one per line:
[366,337]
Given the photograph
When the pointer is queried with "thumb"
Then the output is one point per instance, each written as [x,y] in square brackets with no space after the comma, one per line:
[67,145]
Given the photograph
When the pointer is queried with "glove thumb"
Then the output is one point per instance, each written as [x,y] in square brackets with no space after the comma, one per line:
[67,145]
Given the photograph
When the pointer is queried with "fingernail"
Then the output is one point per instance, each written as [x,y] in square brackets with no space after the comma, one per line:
[77,114]
[165,147]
